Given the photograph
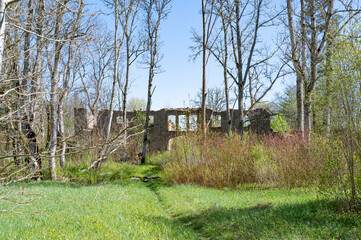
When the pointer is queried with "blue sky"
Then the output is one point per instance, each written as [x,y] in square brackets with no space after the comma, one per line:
[181,77]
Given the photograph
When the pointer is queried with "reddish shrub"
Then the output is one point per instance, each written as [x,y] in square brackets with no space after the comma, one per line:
[228,161]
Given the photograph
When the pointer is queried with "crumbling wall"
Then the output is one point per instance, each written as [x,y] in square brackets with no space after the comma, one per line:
[260,121]
[167,124]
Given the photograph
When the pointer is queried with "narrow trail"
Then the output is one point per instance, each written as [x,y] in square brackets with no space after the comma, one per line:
[154,188]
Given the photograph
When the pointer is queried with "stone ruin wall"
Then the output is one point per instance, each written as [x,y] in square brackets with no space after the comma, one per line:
[167,124]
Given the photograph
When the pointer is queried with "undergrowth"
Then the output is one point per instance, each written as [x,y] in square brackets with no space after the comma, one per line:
[221,161]
[111,172]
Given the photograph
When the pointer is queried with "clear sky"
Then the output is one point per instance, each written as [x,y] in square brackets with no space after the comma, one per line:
[181,77]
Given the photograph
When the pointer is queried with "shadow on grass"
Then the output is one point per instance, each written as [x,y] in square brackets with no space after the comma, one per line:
[312,220]
[60,184]
[46,183]
[171,228]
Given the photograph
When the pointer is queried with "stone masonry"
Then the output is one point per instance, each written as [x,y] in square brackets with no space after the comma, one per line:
[167,124]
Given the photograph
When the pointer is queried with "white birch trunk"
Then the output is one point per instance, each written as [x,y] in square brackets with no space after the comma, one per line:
[103,153]
[2,29]
[54,91]
[66,80]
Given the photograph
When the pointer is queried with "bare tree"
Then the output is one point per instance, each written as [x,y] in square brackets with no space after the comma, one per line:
[155,12]
[125,15]
[118,43]
[216,99]
[220,50]
[134,49]
[3,5]
[253,66]
[18,98]
[95,69]
[249,66]
[204,63]
[74,31]
[204,42]
[299,65]
[54,81]
[315,38]
[223,10]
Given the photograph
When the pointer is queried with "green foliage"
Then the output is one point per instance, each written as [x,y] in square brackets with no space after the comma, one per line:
[339,96]
[286,105]
[136,104]
[264,165]
[160,159]
[279,124]
[111,172]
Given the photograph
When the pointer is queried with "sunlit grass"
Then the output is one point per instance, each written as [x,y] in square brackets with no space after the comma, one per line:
[261,214]
[138,210]
[65,211]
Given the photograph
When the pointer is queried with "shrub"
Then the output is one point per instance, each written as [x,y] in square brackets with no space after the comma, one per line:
[279,124]
[220,162]
[228,161]
[344,168]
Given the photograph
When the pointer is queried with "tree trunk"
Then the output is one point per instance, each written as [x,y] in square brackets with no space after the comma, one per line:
[149,102]
[26,62]
[241,110]
[53,120]
[125,96]
[103,155]
[302,75]
[54,91]
[299,67]
[313,70]
[128,28]
[35,97]
[24,98]
[2,30]
[159,8]
[204,68]
[62,100]
[239,73]
[62,133]
[307,116]
[115,80]
[300,106]
[66,80]
[153,39]
[328,86]
[225,26]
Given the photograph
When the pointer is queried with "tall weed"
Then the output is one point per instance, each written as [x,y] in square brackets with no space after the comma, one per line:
[228,161]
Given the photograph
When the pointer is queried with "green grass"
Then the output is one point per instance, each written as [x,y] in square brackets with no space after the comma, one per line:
[111,172]
[129,211]
[259,214]
[137,210]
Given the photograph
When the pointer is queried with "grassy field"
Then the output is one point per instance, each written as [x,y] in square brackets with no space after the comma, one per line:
[130,211]
[261,214]
[137,210]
